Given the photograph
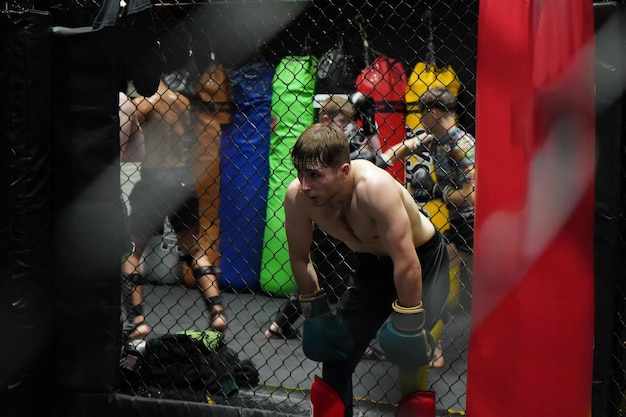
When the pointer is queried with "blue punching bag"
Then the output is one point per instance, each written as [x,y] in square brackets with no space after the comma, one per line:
[244,177]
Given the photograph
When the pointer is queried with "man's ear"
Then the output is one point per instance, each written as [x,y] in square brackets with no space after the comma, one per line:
[324,118]
[345,169]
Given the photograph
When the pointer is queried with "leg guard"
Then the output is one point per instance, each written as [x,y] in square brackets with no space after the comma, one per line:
[135,279]
[325,401]
[206,270]
[211,302]
[216,314]
[129,281]
[417,404]
[202,270]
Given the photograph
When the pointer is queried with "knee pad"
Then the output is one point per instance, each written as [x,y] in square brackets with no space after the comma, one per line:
[135,279]
[136,311]
[206,270]
[215,300]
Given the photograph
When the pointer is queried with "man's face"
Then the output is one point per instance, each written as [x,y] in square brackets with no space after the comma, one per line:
[320,183]
[341,120]
[429,118]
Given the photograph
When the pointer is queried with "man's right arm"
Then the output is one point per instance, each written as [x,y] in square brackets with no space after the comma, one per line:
[299,230]
[324,335]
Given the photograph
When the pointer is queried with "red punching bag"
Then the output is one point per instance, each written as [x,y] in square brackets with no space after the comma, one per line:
[384,80]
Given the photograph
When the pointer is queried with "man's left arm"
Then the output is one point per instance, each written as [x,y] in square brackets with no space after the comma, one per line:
[404,340]
[394,229]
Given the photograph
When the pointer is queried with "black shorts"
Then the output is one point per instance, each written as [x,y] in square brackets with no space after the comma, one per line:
[461,233]
[159,194]
[374,290]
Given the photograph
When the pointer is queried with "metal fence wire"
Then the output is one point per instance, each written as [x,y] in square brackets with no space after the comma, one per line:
[241,80]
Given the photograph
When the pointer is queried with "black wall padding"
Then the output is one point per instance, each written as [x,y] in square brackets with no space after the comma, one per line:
[26,347]
[128,406]
[609,84]
[88,219]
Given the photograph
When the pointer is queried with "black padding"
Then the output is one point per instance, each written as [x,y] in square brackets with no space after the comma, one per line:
[26,277]
[607,389]
[88,216]
[206,270]
[136,279]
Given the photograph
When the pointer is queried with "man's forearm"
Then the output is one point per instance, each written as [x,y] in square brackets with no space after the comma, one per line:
[306,278]
[409,288]
[461,197]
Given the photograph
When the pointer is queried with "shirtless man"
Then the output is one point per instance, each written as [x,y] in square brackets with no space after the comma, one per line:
[167,189]
[132,149]
[402,271]
[131,136]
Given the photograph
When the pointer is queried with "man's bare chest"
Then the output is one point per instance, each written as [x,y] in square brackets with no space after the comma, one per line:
[355,230]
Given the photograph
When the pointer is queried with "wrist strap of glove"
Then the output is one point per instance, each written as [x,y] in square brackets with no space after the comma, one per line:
[383,161]
[408,319]
[416,144]
[413,144]
[314,304]
[447,190]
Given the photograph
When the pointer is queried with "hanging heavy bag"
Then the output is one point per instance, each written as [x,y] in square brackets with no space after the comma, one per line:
[244,157]
[293,90]
[427,74]
[384,81]
[336,71]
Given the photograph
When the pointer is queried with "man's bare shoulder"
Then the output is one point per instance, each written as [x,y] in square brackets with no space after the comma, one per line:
[293,194]
[370,177]
[297,205]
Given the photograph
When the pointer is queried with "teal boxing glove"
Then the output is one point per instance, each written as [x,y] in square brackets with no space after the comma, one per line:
[404,340]
[324,335]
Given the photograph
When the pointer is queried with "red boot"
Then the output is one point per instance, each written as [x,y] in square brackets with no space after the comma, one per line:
[325,401]
[417,404]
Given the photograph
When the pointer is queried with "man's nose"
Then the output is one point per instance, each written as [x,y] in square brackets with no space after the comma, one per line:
[304,184]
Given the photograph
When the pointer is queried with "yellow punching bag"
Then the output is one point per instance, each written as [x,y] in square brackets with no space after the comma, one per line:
[424,76]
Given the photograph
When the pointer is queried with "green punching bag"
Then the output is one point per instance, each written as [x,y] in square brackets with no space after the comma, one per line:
[293,89]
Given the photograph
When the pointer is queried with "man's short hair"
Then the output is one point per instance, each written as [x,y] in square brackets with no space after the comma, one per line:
[320,144]
[337,104]
[438,98]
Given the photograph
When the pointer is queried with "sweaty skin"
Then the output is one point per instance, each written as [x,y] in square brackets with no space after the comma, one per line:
[366,208]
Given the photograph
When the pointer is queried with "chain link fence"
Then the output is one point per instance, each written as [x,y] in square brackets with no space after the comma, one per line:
[241,80]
